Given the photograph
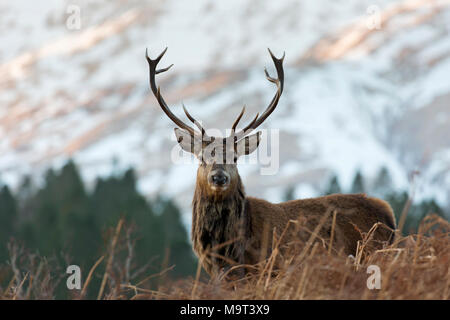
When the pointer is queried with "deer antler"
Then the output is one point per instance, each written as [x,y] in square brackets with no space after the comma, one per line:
[257,121]
[152,64]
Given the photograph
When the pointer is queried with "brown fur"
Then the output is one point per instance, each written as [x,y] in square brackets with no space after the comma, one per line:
[229,228]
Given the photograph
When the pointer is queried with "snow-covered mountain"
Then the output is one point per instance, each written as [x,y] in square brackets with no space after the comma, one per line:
[367,85]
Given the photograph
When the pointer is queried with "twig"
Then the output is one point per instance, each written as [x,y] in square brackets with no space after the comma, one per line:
[89,277]
[110,259]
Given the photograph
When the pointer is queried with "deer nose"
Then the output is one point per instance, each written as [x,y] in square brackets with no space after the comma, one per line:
[220,179]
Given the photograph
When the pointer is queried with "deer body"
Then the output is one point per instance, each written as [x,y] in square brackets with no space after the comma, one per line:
[239,229]
[229,228]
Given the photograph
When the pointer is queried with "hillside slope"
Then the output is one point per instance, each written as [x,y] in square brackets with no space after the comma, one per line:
[355,97]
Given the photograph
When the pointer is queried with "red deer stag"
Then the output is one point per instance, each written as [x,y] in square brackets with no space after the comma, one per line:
[229,228]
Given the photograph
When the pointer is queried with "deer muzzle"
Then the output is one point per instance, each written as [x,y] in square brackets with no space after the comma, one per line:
[219,179]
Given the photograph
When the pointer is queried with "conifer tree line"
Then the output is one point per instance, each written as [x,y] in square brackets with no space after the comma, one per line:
[382,187]
[62,219]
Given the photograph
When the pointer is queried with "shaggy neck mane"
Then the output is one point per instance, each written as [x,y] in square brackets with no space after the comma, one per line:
[221,225]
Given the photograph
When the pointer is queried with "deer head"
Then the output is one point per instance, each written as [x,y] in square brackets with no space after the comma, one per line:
[217,173]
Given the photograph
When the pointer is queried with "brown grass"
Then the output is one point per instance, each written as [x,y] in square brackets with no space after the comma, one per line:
[410,269]
[418,269]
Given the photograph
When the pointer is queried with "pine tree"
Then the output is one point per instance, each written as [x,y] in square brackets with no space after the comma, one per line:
[333,186]
[175,239]
[8,213]
[60,221]
[383,183]
[289,194]
[416,212]
[358,183]
[26,189]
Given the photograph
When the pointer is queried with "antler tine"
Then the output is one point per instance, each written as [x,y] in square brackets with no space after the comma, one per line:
[193,120]
[251,122]
[152,64]
[279,81]
[233,128]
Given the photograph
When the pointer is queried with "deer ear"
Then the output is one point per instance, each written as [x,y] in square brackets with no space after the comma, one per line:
[188,142]
[248,144]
